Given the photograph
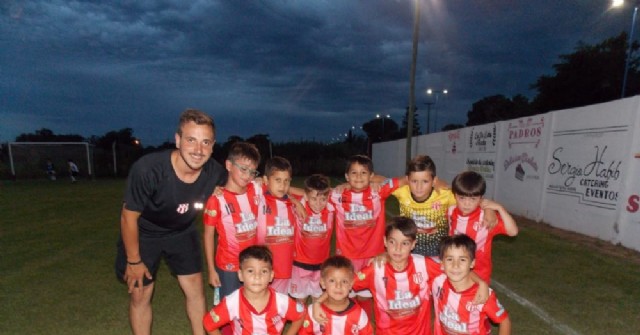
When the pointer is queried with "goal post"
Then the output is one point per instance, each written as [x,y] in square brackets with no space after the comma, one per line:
[29,159]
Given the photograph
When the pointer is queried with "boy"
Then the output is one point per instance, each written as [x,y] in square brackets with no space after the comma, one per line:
[400,287]
[426,203]
[312,239]
[453,291]
[233,215]
[277,220]
[464,218]
[255,308]
[360,212]
[345,317]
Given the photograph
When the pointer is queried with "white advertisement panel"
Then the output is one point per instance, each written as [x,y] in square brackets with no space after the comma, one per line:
[586,159]
[454,154]
[629,206]
[388,158]
[432,146]
[482,148]
[521,164]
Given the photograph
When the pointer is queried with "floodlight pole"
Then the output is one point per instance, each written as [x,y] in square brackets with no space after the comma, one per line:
[626,65]
[412,89]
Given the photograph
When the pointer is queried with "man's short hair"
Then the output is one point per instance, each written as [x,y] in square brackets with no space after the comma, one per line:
[277,163]
[196,116]
[319,183]
[469,184]
[259,252]
[422,163]
[246,150]
[405,225]
[336,262]
[359,159]
[458,241]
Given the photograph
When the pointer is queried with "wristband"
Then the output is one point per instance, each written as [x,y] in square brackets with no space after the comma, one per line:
[135,263]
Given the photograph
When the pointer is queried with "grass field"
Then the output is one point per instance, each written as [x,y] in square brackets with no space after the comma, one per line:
[58,245]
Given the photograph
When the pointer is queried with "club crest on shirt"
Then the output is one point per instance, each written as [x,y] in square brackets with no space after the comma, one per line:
[182,208]
[418,278]
[471,307]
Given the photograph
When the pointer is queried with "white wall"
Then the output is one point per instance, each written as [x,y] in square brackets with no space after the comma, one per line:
[574,169]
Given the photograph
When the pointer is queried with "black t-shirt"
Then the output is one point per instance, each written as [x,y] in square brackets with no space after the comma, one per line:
[167,204]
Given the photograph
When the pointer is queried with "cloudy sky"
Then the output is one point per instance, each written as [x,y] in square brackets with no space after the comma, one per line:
[293,69]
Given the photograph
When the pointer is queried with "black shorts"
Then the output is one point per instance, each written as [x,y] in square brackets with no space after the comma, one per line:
[182,252]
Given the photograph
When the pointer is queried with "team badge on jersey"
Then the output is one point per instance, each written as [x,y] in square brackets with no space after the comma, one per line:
[417,278]
[182,208]
[214,316]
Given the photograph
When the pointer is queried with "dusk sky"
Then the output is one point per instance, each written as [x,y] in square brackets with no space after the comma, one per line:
[292,69]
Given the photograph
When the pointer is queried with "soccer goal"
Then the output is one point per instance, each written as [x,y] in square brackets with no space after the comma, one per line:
[49,159]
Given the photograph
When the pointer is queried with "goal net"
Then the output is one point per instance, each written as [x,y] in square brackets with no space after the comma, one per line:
[34,159]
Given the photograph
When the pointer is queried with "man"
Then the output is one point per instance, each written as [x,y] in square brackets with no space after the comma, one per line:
[165,191]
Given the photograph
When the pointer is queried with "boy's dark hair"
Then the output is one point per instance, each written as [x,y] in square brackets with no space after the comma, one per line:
[277,163]
[336,262]
[259,252]
[317,182]
[247,150]
[422,163]
[199,117]
[359,159]
[469,184]
[405,225]
[458,241]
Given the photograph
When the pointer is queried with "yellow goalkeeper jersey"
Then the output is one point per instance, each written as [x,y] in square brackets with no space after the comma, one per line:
[430,216]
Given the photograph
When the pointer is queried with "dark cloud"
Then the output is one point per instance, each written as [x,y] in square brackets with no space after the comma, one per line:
[292,69]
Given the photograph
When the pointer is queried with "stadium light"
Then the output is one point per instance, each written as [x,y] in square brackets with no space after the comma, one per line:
[620,3]
[436,93]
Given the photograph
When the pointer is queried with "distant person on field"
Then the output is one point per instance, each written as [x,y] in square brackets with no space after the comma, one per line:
[426,200]
[73,170]
[165,194]
[466,216]
[453,293]
[312,239]
[344,315]
[50,169]
[255,308]
[233,215]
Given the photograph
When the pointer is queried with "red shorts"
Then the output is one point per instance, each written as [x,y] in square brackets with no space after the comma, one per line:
[304,283]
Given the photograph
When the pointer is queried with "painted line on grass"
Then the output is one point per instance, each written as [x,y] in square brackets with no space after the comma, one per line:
[535,309]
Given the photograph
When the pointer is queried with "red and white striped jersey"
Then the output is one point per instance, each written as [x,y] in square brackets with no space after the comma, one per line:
[313,237]
[245,320]
[360,220]
[353,321]
[402,304]
[276,229]
[233,216]
[455,313]
[471,225]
